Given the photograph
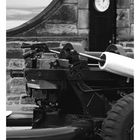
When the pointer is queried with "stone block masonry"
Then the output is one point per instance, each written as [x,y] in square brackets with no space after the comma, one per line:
[125,20]
[125,23]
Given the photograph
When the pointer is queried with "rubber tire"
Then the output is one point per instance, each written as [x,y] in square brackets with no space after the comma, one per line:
[119,120]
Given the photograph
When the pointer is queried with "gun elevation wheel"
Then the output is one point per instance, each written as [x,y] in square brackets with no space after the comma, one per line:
[119,122]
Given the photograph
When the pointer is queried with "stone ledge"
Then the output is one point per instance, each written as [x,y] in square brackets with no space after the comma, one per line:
[56,29]
[48,38]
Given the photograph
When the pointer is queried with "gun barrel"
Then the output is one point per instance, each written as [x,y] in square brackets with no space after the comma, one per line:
[92,57]
[82,54]
[117,64]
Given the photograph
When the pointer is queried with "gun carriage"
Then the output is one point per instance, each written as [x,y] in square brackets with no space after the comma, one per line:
[76,99]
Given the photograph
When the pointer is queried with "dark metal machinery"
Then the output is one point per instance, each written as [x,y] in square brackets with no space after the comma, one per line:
[73,96]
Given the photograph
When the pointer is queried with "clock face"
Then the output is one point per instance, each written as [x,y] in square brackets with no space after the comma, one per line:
[102,5]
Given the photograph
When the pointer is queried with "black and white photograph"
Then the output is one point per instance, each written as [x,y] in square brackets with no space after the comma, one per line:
[69,70]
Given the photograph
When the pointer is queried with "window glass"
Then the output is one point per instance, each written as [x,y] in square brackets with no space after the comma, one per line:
[20,11]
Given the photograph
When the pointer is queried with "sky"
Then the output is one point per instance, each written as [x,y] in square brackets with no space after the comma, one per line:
[20,11]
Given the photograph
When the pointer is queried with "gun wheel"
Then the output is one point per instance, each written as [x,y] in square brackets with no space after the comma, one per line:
[119,122]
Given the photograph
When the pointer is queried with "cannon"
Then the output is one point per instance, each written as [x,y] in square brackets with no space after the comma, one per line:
[79,95]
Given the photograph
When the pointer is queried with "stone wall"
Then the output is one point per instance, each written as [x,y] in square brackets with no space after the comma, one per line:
[125,22]
[71,18]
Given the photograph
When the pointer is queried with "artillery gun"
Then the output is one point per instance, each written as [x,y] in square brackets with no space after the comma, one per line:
[80,95]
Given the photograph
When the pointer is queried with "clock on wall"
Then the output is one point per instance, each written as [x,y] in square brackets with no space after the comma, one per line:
[101,5]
